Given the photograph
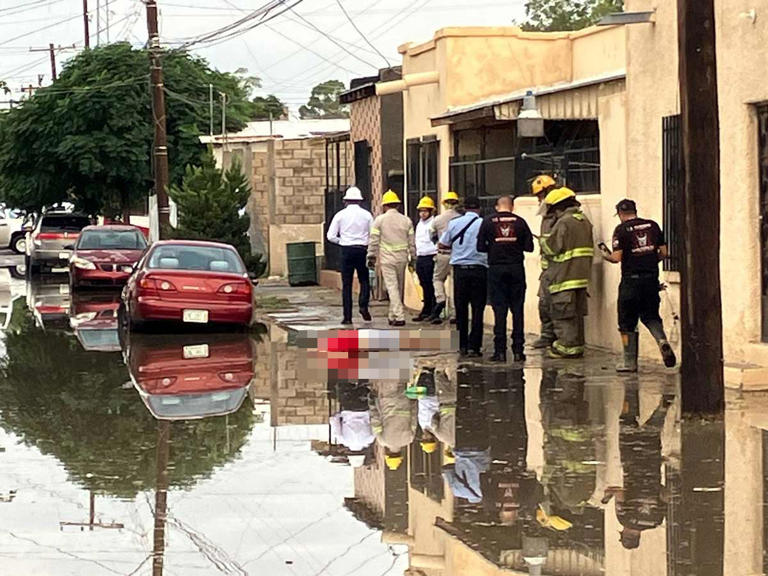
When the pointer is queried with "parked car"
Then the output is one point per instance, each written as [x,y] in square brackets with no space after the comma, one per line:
[190,282]
[182,377]
[12,232]
[49,244]
[49,301]
[95,318]
[105,255]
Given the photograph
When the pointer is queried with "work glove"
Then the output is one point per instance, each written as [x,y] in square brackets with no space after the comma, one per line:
[411,267]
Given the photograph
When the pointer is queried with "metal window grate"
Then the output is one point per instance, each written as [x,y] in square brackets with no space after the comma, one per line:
[672,171]
[762,142]
[422,174]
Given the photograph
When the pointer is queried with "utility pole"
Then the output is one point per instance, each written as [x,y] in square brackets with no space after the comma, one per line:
[98,22]
[210,109]
[52,51]
[701,306]
[160,150]
[224,118]
[87,33]
[162,456]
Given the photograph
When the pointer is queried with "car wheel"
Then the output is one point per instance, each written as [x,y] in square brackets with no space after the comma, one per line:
[19,244]
[19,272]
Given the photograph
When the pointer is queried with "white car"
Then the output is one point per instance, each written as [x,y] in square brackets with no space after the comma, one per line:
[12,233]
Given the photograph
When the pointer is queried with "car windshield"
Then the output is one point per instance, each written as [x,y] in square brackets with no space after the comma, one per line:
[67,223]
[197,405]
[185,257]
[111,240]
[99,339]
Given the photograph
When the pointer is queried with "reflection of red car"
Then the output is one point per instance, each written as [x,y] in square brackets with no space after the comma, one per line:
[95,320]
[105,255]
[193,282]
[187,376]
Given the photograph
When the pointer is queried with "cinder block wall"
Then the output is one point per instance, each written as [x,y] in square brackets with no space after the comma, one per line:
[299,168]
[365,124]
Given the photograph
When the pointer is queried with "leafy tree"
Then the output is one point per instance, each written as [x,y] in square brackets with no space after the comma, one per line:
[262,108]
[211,206]
[562,15]
[87,138]
[324,102]
[70,403]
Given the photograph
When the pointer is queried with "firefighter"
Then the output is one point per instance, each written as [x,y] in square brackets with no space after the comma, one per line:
[392,244]
[393,420]
[443,258]
[638,245]
[570,250]
[540,187]
[425,256]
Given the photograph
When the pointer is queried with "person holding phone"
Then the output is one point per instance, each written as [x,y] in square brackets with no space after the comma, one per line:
[639,246]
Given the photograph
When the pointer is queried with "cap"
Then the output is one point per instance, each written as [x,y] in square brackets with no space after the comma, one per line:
[626,205]
[472,203]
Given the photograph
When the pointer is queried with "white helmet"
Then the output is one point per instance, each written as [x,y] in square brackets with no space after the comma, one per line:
[356,460]
[353,193]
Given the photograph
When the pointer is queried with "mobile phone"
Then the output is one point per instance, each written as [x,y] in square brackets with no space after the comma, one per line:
[604,248]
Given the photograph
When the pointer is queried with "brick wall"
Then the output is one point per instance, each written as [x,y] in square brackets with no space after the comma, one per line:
[299,169]
[365,124]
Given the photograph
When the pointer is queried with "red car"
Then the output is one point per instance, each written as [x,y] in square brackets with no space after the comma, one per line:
[191,282]
[181,377]
[105,255]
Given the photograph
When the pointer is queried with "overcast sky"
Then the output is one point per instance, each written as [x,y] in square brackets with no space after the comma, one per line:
[289,55]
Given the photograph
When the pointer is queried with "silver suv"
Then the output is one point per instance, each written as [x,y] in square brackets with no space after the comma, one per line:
[50,243]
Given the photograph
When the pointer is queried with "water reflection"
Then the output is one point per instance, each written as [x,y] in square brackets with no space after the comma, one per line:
[203,451]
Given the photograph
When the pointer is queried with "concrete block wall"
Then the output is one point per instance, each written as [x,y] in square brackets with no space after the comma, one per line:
[365,124]
[299,170]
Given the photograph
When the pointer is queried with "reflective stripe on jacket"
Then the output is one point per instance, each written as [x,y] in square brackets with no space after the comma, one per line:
[392,232]
[570,250]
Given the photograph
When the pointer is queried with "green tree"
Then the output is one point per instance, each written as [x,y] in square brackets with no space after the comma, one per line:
[87,138]
[324,102]
[262,107]
[563,15]
[211,206]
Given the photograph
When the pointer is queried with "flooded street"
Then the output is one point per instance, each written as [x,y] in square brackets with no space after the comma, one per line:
[291,451]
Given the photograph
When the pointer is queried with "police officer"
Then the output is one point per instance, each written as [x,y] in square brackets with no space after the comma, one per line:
[392,244]
[570,250]
[443,258]
[540,187]
[505,237]
[638,245]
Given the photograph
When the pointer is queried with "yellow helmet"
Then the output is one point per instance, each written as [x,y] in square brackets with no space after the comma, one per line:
[450,196]
[428,446]
[558,195]
[390,197]
[541,183]
[426,203]
[393,462]
[448,457]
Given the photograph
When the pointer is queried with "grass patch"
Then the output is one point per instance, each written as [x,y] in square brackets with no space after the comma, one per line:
[272,303]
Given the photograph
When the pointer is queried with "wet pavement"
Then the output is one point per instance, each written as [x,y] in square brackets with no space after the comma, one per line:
[299,450]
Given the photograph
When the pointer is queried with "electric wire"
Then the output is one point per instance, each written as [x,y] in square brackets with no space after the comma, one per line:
[58,23]
[363,36]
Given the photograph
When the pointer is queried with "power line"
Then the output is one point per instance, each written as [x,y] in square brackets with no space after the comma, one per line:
[9,40]
[308,49]
[361,33]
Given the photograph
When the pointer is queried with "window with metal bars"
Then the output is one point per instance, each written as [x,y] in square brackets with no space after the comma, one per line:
[672,171]
[422,162]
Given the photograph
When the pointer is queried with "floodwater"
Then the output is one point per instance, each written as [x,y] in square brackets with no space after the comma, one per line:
[275,452]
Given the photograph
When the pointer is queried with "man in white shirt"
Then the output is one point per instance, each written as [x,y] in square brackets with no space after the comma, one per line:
[425,256]
[350,228]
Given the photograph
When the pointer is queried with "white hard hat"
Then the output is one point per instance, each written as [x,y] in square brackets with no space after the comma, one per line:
[353,193]
[356,460]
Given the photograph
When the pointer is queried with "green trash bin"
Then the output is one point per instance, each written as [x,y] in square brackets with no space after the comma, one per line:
[302,265]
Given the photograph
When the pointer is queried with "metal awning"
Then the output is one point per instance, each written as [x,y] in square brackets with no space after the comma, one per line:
[549,98]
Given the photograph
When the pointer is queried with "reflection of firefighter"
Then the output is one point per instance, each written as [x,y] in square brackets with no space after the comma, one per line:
[570,442]
[641,503]
[393,418]
[351,425]
[436,408]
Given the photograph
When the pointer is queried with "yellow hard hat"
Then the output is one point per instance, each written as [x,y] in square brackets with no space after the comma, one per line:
[390,197]
[558,195]
[393,462]
[426,203]
[451,196]
[448,457]
[541,183]
[428,446]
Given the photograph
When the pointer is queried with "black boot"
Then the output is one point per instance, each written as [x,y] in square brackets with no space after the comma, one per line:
[667,353]
[437,311]
[499,356]
[630,341]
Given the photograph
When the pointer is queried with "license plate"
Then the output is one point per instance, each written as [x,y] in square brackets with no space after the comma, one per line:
[196,351]
[63,288]
[196,316]
[63,255]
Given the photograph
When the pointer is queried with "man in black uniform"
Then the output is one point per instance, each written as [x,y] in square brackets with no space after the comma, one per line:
[638,244]
[505,237]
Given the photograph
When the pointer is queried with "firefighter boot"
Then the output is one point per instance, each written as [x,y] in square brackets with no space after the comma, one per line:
[630,342]
[667,353]
[437,311]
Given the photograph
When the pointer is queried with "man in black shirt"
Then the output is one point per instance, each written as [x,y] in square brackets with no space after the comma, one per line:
[638,244]
[505,237]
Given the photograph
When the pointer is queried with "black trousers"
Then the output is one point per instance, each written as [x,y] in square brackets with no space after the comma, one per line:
[506,293]
[353,259]
[639,300]
[470,290]
[425,269]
